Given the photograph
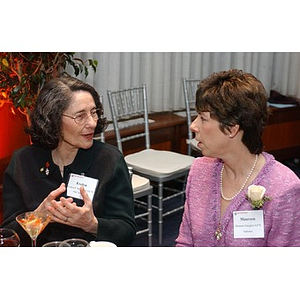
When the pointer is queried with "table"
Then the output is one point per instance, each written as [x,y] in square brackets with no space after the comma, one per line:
[282,134]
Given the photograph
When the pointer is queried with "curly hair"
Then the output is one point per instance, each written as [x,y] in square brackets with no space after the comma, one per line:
[52,101]
[236,98]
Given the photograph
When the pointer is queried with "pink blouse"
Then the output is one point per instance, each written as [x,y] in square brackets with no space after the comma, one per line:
[202,208]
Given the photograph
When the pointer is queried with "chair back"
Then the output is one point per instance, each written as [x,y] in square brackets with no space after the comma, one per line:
[190,87]
[129,108]
[102,135]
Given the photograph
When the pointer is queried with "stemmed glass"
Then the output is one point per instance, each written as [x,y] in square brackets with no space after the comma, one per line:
[34,222]
[9,238]
[75,242]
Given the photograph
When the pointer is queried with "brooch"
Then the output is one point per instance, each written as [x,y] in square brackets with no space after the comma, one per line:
[46,168]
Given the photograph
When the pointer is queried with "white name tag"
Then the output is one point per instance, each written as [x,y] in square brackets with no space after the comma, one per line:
[248,224]
[76,181]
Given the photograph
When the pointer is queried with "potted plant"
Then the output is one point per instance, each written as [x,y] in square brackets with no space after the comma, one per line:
[22,75]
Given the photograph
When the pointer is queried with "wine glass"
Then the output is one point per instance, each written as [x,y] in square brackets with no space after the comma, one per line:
[74,242]
[56,244]
[9,238]
[34,222]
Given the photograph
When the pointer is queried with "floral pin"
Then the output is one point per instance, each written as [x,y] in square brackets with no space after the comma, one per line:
[46,169]
[256,196]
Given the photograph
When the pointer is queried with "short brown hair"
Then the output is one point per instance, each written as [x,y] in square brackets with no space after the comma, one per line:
[234,97]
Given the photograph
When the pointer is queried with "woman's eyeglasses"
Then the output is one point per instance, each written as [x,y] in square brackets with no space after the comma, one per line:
[81,118]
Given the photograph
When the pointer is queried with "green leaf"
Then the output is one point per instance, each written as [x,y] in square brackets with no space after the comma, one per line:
[76,70]
[23,80]
[86,72]
[21,101]
[16,89]
[5,62]
[36,78]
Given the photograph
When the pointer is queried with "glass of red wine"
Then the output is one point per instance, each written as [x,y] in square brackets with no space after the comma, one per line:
[9,238]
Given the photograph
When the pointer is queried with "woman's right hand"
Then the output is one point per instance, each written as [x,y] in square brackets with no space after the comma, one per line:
[52,196]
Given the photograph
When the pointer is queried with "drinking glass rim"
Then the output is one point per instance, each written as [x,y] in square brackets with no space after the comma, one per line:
[5,229]
[68,241]
[38,213]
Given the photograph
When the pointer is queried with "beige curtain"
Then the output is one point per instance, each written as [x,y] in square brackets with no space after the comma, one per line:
[163,72]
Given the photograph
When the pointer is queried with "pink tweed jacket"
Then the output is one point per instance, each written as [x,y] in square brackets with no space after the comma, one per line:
[202,208]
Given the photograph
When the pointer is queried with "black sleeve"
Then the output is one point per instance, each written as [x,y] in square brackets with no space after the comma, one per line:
[118,225]
[13,203]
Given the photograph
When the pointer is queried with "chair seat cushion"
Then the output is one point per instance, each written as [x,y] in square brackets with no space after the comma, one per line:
[194,144]
[139,183]
[159,162]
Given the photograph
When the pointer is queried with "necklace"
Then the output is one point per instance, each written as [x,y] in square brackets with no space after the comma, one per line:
[243,185]
[218,233]
[61,171]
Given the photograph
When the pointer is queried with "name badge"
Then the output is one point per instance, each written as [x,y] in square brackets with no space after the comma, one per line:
[248,224]
[76,181]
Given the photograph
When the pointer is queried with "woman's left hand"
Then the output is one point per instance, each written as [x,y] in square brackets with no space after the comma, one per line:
[67,212]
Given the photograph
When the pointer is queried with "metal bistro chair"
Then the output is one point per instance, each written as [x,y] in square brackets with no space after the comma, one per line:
[157,165]
[189,90]
[141,188]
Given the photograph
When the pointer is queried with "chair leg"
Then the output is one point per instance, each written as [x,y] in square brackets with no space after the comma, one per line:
[189,149]
[183,188]
[150,220]
[160,213]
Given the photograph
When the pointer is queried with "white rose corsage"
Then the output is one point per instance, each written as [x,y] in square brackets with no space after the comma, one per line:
[256,196]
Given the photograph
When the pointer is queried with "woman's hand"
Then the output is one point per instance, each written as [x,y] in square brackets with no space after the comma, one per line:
[52,196]
[67,212]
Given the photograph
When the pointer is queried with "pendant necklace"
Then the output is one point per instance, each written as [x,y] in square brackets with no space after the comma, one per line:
[218,233]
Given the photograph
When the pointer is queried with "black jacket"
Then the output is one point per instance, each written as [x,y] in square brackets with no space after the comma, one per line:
[26,184]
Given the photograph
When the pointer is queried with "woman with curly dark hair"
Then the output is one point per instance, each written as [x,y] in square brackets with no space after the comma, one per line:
[67,115]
